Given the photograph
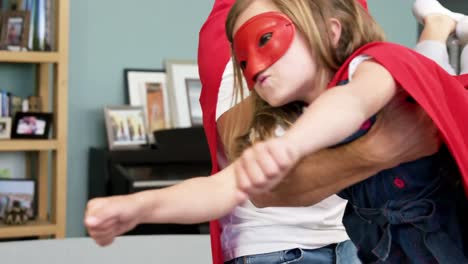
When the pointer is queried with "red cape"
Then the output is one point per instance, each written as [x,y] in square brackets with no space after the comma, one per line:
[442,96]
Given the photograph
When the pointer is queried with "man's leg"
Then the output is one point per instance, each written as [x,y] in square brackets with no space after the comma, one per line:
[439,23]
[433,39]
[462,35]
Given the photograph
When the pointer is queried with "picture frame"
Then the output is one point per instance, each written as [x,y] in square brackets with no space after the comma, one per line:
[31,125]
[184,89]
[22,190]
[148,88]
[5,128]
[126,127]
[12,165]
[15,30]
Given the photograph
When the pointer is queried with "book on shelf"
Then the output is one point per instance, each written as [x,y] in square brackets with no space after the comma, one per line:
[50,22]
[5,98]
[10,104]
[15,104]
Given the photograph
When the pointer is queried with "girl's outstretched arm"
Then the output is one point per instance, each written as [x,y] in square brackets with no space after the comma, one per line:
[195,200]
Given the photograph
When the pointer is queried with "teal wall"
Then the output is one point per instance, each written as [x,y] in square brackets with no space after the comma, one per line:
[107,36]
[396,19]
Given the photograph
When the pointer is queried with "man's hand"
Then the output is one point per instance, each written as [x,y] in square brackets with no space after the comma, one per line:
[402,133]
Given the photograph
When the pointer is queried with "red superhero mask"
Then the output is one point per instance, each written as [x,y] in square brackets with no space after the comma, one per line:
[261,41]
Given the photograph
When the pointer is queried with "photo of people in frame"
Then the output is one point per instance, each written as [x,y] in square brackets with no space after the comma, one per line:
[15,31]
[126,127]
[31,125]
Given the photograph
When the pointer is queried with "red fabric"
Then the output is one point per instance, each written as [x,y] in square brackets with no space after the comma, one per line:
[213,55]
[442,96]
[364,4]
[463,79]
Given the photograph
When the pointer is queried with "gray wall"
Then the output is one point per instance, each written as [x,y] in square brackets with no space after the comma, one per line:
[396,19]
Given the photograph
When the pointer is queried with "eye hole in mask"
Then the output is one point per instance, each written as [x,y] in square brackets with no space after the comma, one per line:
[264,39]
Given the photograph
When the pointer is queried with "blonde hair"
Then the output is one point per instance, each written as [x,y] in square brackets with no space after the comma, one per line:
[311,19]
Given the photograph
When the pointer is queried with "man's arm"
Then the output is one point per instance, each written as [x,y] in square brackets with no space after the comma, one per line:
[402,133]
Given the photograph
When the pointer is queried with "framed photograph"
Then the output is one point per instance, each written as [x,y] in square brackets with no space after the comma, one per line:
[126,127]
[21,190]
[5,127]
[15,30]
[31,125]
[12,165]
[148,88]
[184,89]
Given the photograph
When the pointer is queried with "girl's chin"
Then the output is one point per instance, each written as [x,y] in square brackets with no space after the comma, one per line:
[272,100]
[275,103]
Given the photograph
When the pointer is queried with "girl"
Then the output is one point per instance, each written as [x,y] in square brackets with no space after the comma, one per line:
[290,51]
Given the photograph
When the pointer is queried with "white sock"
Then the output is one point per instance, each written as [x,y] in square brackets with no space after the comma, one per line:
[423,8]
[436,51]
[462,31]
[464,60]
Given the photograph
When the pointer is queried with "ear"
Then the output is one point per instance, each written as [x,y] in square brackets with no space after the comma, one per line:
[335,31]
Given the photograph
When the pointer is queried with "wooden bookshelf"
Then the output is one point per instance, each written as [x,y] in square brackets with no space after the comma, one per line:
[28,145]
[31,229]
[51,174]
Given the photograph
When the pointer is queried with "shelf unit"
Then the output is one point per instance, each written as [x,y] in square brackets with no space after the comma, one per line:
[52,153]
[29,57]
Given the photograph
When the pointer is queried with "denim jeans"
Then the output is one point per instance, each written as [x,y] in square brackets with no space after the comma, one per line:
[341,253]
[408,214]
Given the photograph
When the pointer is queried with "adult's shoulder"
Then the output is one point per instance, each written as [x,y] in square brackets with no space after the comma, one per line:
[214,47]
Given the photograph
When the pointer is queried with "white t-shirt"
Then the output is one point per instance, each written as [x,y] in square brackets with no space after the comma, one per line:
[249,230]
